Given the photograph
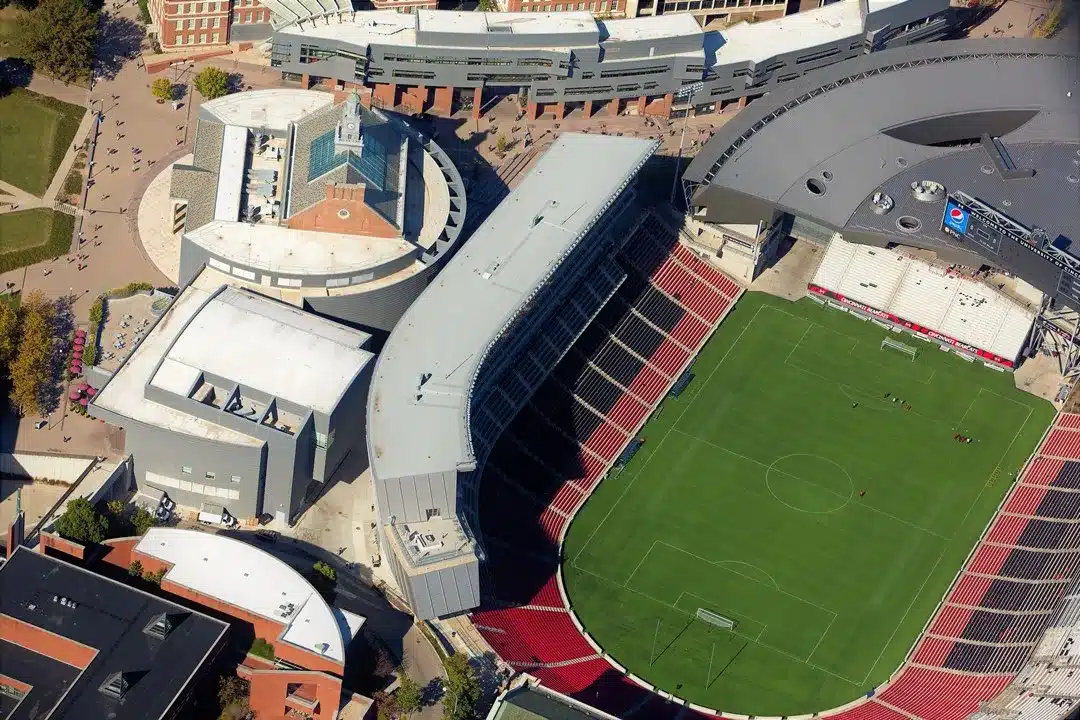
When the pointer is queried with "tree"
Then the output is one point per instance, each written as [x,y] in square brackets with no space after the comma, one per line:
[9,331]
[30,370]
[212,82]
[135,569]
[502,144]
[487,6]
[115,508]
[462,688]
[155,577]
[232,689]
[326,571]
[408,695]
[162,89]
[386,706]
[142,520]
[57,38]
[81,523]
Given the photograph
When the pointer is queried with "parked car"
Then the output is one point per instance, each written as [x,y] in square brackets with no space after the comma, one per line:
[267,536]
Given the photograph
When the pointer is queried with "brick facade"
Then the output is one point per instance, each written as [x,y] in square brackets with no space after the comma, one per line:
[201,24]
[46,643]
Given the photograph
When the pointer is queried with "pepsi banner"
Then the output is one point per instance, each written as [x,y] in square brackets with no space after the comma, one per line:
[914,327]
[956,218]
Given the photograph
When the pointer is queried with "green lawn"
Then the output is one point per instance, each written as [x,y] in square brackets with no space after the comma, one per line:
[35,133]
[30,236]
[745,501]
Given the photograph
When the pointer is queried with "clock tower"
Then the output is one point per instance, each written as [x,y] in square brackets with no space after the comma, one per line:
[349,130]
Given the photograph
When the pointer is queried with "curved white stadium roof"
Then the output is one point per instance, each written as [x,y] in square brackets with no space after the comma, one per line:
[252,579]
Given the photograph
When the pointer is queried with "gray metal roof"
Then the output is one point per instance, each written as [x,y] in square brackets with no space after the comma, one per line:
[414,430]
[834,122]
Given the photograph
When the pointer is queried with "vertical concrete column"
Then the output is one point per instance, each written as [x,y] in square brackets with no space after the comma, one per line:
[478,97]
[444,101]
[305,81]
[742,102]
[560,111]
[588,109]
[641,101]
[532,111]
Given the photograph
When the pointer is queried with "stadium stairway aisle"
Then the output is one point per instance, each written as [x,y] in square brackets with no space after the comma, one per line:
[562,443]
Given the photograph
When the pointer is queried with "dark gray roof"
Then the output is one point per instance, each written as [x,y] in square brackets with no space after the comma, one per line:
[843,121]
[109,617]
[446,333]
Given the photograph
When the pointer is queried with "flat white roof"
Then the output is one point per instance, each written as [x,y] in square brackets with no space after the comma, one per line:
[124,393]
[231,173]
[271,347]
[755,42]
[873,6]
[654,27]
[175,377]
[277,249]
[445,333]
[386,27]
[539,23]
[252,579]
[266,109]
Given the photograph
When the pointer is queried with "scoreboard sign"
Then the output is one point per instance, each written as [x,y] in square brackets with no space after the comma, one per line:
[974,222]
[956,218]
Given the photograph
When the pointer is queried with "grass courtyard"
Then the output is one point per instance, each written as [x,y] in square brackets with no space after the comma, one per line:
[30,236]
[35,134]
[745,501]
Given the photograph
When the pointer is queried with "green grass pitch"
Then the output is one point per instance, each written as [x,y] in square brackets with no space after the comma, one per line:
[745,501]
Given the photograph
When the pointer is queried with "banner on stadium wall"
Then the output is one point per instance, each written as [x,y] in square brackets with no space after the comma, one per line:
[914,327]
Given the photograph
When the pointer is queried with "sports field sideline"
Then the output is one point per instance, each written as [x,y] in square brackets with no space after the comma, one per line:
[745,501]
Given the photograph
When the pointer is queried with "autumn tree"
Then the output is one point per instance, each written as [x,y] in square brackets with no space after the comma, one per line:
[162,89]
[409,695]
[212,82]
[9,332]
[30,369]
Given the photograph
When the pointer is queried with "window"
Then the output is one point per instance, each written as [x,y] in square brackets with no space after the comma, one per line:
[235,479]
[217,24]
[217,37]
[320,440]
[191,24]
[603,5]
[179,24]
[210,475]
[203,23]
[186,470]
[288,282]
[236,16]
[558,8]
[202,38]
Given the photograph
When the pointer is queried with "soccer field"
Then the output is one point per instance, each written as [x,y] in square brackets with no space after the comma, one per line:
[745,500]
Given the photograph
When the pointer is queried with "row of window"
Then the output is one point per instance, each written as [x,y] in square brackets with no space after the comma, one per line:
[203,24]
[210,475]
[200,39]
[633,72]
[286,281]
[199,8]
[602,6]
[195,487]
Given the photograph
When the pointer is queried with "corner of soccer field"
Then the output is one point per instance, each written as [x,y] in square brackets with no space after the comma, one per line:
[807,486]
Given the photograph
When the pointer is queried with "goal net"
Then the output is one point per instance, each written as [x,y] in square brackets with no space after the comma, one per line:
[715,619]
[899,347]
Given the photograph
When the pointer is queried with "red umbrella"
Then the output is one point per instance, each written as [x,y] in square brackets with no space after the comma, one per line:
[80,333]
[80,341]
[91,391]
[84,386]
[76,369]
[84,402]
[74,394]
[77,354]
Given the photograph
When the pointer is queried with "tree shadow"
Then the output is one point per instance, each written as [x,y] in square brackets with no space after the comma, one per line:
[490,677]
[432,692]
[119,40]
[235,82]
[14,73]
[63,326]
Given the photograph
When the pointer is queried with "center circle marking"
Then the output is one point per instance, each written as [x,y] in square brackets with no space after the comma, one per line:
[780,484]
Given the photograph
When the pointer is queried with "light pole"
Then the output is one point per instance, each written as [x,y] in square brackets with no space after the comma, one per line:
[687,91]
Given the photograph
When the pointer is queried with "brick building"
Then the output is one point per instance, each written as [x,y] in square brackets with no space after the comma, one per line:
[230,578]
[180,25]
[79,646]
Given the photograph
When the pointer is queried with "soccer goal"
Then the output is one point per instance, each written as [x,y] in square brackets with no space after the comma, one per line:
[899,347]
[715,619]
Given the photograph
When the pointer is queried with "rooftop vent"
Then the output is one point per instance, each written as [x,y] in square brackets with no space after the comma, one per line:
[927,191]
[908,224]
[116,685]
[881,203]
[161,625]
